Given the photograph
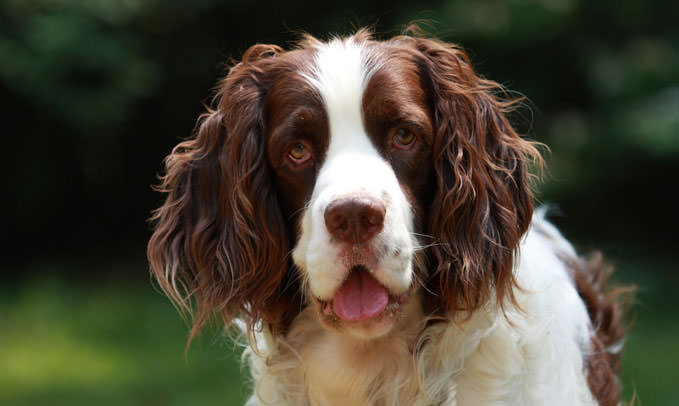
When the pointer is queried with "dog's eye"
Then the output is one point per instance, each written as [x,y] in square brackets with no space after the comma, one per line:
[404,138]
[298,153]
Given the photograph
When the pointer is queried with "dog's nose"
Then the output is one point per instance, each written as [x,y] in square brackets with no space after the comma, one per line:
[354,219]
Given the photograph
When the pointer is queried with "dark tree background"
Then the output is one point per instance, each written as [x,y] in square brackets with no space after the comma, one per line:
[94,94]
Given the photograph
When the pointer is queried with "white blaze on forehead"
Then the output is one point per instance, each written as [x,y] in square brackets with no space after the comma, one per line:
[342,70]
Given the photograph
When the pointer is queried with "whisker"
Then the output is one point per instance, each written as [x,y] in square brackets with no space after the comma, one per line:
[422,247]
[306,206]
[421,283]
[422,235]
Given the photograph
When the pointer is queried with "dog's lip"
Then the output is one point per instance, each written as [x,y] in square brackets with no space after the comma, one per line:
[395,299]
[390,290]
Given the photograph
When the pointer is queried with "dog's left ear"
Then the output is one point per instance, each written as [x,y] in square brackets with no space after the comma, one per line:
[483,203]
[220,244]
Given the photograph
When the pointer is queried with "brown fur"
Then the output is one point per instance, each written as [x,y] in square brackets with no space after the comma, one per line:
[484,202]
[605,312]
[223,234]
[220,236]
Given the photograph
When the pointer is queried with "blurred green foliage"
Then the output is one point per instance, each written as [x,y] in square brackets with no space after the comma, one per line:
[94,93]
[68,58]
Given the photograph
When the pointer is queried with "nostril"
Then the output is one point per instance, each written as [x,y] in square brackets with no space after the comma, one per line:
[336,221]
[373,216]
[355,219]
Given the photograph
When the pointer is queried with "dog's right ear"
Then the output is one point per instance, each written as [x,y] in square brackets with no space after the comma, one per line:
[220,241]
[483,204]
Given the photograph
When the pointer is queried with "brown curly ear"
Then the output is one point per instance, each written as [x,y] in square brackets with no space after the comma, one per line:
[483,203]
[220,242]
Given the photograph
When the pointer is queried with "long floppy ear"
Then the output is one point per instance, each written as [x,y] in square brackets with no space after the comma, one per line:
[483,203]
[220,242]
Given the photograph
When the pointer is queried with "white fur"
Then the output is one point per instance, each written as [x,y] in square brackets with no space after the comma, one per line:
[352,167]
[530,355]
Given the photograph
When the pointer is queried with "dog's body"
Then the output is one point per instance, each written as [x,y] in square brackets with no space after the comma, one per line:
[532,356]
[418,273]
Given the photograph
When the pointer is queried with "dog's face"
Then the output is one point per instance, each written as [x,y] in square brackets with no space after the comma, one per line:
[353,168]
[386,169]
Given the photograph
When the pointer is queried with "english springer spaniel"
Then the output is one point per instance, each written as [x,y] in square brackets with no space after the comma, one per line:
[362,211]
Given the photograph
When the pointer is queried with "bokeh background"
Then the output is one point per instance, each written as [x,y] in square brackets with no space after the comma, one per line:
[94,93]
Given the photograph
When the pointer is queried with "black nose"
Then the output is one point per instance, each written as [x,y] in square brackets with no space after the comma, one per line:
[354,219]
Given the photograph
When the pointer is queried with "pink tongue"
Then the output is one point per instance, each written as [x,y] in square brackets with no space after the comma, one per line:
[361,297]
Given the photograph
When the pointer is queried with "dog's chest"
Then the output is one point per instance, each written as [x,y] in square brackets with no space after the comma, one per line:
[334,369]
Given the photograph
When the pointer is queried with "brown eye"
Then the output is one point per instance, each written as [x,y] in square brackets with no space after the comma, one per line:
[298,153]
[404,138]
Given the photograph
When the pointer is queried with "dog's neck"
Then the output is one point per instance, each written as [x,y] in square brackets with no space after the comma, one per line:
[321,366]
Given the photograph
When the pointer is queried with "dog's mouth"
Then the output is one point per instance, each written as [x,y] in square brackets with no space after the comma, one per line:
[362,297]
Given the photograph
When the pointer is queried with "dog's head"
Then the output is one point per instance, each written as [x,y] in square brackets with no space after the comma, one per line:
[354,176]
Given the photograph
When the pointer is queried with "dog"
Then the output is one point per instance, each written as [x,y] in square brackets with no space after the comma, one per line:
[362,210]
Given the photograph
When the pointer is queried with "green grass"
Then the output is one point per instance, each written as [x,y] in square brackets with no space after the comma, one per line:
[650,361]
[121,343]
[106,345]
